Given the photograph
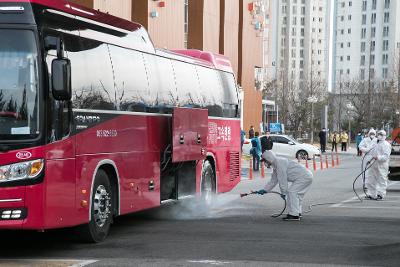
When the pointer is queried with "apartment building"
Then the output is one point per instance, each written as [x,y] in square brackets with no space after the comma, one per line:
[367,40]
[298,49]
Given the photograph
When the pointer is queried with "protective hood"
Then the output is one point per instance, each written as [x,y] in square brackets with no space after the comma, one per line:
[381,135]
[269,156]
[371,132]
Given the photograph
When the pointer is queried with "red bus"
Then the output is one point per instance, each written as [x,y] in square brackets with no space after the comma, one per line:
[97,123]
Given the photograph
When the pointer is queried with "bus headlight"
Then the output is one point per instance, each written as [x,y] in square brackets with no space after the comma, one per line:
[22,170]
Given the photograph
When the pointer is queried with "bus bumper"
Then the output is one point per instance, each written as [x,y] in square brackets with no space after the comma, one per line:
[15,213]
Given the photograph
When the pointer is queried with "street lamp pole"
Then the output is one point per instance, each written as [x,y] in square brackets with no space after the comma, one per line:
[312,123]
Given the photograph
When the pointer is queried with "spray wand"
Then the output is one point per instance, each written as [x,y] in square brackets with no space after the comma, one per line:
[276,215]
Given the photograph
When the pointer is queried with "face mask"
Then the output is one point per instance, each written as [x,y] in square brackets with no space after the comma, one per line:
[372,136]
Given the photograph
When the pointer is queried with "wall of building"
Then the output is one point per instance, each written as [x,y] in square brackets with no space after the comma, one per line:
[229,30]
[121,8]
[250,56]
[167,30]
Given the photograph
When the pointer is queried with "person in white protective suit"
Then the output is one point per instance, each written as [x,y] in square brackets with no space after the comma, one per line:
[366,146]
[294,181]
[380,168]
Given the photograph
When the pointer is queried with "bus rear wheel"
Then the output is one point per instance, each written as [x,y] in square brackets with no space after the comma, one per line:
[101,214]
[208,187]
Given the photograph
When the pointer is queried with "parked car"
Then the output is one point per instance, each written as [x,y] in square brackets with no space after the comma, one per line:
[394,161]
[286,146]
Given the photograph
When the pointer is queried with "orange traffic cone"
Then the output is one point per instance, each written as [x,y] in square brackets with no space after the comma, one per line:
[333,160]
[326,161]
[321,163]
[314,164]
[337,159]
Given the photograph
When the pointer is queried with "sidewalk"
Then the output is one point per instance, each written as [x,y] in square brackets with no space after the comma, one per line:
[352,150]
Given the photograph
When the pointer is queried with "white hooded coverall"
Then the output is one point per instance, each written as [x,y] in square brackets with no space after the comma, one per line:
[294,180]
[366,146]
[380,168]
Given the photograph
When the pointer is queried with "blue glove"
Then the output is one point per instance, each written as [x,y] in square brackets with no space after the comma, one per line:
[261,192]
[283,196]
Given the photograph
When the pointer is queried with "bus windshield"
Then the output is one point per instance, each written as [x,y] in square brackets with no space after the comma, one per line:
[18,85]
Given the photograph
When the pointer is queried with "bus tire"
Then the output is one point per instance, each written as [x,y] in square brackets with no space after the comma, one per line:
[101,210]
[208,185]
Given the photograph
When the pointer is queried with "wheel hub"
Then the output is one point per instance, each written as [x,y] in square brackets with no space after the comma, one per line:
[101,205]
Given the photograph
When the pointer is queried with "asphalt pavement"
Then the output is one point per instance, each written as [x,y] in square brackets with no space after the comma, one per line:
[235,231]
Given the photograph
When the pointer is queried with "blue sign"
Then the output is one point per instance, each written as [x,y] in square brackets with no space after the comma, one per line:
[275,127]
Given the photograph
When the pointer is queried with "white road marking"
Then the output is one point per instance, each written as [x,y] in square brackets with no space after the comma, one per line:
[84,263]
[49,262]
[343,202]
[340,204]
[370,207]
[211,262]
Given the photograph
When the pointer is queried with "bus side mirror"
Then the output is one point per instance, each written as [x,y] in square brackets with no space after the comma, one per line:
[61,79]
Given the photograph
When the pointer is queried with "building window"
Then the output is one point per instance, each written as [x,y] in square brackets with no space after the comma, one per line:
[349,30]
[293,41]
[384,73]
[372,48]
[372,60]
[373,18]
[350,3]
[303,10]
[385,59]
[373,4]
[341,58]
[348,71]
[341,18]
[364,19]
[343,4]
[372,73]
[362,46]
[373,30]
[387,3]
[348,44]
[363,32]
[302,32]
[301,42]
[385,31]
[342,32]
[341,45]
[301,53]
[364,5]
[386,17]
[348,58]
[362,61]
[362,74]
[302,21]
[349,17]
[385,45]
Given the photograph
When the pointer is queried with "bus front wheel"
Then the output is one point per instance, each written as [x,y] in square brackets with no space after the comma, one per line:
[101,214]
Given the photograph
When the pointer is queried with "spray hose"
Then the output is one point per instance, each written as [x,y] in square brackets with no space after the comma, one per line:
[276,215]
[369,165]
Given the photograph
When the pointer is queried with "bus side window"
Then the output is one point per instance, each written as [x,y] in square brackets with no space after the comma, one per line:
[160,75]
[92,76]
[132,88]
[211,91]
[187,84]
